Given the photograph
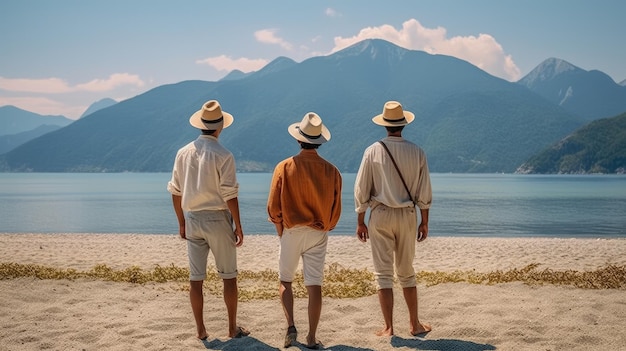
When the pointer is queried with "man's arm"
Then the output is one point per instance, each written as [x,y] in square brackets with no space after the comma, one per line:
[178,209]
[422,230]
[233,206]
[274,207]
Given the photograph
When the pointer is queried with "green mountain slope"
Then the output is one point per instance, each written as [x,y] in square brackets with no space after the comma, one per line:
[599,147]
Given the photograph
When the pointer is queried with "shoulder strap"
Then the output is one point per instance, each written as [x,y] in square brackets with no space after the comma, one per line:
[397,169]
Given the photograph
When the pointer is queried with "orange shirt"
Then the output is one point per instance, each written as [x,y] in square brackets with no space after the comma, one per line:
[305,191]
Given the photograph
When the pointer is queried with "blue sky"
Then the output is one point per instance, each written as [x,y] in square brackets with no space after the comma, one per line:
[59,56]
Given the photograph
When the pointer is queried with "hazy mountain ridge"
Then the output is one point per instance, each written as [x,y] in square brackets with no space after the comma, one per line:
[466,119]
[599,147]
[11,141]
[589,94]
[98,105]
[14,120]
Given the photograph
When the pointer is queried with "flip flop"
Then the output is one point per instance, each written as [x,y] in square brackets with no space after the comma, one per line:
[241,332]
[291,336]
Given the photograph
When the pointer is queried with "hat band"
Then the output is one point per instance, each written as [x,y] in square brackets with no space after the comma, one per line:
[308,136]
[394,120]
[212,121]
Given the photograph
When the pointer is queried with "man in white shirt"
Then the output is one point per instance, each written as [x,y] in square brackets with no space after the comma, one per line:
[204,192]
[392,195]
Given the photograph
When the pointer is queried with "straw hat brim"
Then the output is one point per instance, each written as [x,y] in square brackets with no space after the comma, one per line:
[196,121]
[294,130]
[381,121]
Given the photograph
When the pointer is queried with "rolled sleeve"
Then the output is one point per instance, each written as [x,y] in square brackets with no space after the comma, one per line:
[425,193]
[173,186]
[362,186]
[336,209]
[229,187]
[274,208]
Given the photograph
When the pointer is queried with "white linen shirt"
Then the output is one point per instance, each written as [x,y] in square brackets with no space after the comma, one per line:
[377,180]
[204,175]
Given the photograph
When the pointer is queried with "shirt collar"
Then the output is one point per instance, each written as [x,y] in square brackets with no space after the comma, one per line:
[394,138]
[208,137]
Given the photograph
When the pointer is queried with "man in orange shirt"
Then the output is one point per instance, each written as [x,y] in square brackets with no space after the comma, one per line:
[304,203]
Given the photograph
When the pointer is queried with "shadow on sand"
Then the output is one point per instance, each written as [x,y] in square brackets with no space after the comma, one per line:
[440,345]
[247,343]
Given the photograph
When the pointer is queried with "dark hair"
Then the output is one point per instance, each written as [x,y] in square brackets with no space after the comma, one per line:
[394,129]
[308,146]
[208,132]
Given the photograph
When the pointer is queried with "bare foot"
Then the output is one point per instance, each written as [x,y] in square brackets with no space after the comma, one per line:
[385,332]
[312,343]
[239,332]
[422,328]
[202,335]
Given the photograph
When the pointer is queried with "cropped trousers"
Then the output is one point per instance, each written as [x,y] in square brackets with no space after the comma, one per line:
[392,233]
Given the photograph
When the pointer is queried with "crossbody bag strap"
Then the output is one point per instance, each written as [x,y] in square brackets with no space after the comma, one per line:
[397,169]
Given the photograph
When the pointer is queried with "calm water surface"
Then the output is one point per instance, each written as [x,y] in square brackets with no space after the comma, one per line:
[495,205]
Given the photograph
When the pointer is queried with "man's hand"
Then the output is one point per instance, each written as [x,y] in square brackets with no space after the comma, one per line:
[279,229]
[238,237]
[181,232]
[362,233]
[422,232]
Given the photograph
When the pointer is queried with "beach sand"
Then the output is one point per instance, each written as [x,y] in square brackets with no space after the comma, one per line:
[95,314]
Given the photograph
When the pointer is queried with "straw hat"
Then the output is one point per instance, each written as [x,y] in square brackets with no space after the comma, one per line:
[211,116]
[310,130]
[393,115]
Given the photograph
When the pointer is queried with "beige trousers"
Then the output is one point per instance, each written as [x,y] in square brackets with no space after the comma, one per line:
[392,234]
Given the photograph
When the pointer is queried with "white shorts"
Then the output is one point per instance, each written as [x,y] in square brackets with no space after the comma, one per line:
[308,243]
[211,231]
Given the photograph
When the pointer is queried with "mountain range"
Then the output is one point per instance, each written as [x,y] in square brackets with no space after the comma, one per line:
[466,120]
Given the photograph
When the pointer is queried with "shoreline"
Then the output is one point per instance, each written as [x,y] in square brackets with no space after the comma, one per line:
[91,314]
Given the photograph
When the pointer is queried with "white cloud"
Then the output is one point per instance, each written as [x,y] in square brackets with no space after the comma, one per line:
[59,86]
[268,36]
[48,85]
[331,12]
[227,64]
[114,81]
[482,51]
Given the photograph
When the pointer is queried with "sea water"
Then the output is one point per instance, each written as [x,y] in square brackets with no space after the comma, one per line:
[493,205]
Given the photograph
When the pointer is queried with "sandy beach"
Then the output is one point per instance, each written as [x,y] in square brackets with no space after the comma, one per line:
[88,313]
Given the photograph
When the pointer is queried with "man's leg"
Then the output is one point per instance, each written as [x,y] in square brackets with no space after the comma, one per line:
[231,296]
[405,255]
[286,298]
[385,298]
[381,225]
[315,311]
[410,296]
[197,303]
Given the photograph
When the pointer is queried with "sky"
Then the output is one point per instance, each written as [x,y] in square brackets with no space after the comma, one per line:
[58,57]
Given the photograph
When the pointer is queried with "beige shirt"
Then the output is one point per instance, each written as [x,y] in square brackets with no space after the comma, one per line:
[377,180]
[204,175]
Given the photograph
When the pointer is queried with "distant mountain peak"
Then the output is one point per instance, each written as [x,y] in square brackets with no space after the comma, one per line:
[235,75]
[548,70]
[98,105]
[376,48]
[278,64]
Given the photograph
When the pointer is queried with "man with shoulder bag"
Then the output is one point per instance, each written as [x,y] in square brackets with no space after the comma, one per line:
[393,179]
